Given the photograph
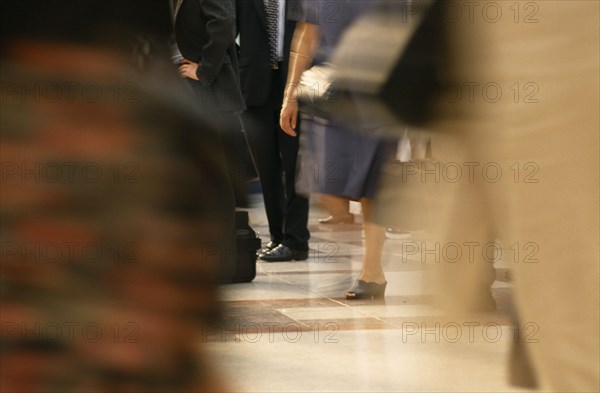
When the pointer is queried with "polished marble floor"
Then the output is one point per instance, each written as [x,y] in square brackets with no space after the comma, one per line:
[291,330]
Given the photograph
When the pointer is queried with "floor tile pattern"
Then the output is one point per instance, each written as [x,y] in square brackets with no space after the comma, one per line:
[291,330]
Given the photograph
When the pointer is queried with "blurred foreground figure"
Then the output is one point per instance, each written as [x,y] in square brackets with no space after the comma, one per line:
[205,36]
[528,129]
[515,132]
[111,209]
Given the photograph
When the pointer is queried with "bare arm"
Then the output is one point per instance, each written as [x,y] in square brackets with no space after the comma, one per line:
[304,46]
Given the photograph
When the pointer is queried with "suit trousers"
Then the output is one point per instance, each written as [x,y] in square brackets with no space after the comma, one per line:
[234,195]
[274,154]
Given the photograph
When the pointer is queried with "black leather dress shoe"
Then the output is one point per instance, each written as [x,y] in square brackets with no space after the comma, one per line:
[283,253]
[268,247]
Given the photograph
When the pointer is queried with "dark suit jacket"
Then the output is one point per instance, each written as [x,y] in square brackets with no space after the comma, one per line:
[255,68]
[205,33]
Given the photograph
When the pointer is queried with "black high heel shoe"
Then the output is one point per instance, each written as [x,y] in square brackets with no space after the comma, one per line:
[366,290]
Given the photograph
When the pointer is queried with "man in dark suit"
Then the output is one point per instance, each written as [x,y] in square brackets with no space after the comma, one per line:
[205,36]
[265,38]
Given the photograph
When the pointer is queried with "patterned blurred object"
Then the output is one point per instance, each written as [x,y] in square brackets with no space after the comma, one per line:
[111,226]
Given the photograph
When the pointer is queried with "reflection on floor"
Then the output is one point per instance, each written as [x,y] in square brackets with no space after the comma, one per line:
[291,330]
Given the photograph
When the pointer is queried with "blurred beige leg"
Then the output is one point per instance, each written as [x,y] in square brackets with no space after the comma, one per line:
[461,247]
[550,212]
[560,213]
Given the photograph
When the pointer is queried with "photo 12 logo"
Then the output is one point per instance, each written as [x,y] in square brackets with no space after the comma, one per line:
[489,92]
[69,172]
[471,332]
[69,252]
[35,92]
[272,332]
[429,171]
[469,252]
[451,11]
[70,332]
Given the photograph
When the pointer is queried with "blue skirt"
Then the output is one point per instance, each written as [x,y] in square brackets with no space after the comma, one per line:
[335,160]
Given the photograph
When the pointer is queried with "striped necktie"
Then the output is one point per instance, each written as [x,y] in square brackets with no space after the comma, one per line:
[272,23]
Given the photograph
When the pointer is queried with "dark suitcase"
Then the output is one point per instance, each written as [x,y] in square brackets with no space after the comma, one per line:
[247,244]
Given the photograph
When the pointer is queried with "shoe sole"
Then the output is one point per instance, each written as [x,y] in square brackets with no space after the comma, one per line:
[364,297]
[285,260]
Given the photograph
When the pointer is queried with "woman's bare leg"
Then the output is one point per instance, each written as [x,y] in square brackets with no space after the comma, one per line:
[372,271]
[336,206]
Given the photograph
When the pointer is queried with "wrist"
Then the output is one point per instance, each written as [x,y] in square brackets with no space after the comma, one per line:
[290,92]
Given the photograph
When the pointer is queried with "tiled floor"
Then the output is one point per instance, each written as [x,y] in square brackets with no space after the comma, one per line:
[290,330]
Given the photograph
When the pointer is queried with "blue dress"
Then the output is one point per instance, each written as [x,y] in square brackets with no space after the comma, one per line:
[332,158]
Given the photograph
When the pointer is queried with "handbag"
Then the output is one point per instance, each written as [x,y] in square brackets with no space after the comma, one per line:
[317,92]
[383,72]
